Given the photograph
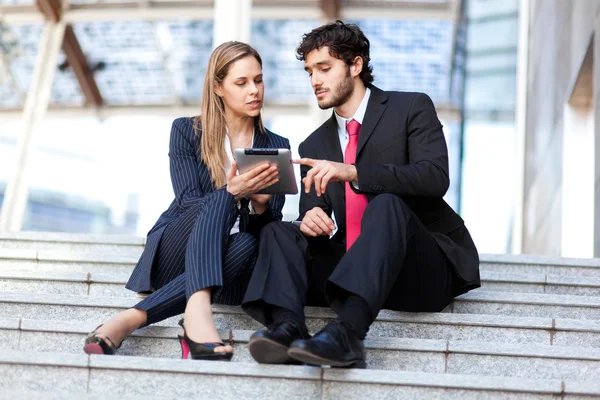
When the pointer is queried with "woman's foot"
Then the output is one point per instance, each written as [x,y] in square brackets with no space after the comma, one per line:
[199,324]
[115,330]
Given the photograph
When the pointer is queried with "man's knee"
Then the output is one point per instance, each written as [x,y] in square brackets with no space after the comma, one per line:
[388,205]
[276,228]
[388,200]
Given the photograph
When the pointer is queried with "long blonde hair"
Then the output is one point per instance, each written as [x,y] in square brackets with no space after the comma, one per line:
[211,121]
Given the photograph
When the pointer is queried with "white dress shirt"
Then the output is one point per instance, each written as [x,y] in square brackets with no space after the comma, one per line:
[342,122]
[228,164]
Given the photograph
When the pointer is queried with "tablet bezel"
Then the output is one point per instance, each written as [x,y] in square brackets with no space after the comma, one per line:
[249,158]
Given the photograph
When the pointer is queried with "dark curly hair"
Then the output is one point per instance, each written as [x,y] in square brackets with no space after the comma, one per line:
[345,42]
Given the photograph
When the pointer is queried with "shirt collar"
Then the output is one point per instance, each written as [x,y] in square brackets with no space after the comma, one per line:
[359,115]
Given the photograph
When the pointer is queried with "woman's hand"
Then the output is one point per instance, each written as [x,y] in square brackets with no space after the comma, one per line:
[248,183]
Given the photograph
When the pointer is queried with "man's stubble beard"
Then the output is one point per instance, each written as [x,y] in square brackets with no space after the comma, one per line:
[343,92]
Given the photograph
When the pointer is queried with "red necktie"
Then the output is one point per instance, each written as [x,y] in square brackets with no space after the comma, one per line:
[355,203]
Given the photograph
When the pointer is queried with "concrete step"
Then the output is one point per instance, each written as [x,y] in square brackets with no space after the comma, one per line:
[81,243]
[105,275]
[501,281]
[527,305]
[117,376]
[474,302]
[62,395]
[113,284]
[536,264]
[446,326]
[384,353]
[122,260]
[65,261]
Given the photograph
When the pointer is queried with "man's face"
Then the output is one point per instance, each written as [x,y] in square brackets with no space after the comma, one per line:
[330,78]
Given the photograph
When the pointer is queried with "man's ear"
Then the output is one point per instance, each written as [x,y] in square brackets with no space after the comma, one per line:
[357,66]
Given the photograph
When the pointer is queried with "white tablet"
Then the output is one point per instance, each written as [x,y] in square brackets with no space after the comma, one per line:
[250,158]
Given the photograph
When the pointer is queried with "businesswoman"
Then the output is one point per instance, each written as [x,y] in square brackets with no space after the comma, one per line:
[203,247]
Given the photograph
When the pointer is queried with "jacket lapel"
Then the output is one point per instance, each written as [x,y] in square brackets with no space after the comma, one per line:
[331,140]
[333,150]
[261,140]
[375,108]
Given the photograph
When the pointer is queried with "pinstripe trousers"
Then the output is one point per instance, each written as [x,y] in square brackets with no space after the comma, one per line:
[195,252]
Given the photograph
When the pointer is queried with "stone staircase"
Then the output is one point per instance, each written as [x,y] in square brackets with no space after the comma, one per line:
[532,331]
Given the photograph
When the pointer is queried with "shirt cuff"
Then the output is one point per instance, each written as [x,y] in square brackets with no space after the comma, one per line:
[355,185]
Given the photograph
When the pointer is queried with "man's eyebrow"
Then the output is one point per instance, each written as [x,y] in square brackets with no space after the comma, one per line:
[318,63]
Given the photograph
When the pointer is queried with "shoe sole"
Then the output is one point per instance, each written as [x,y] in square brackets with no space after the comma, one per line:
[267,351]
[93,348]
[311,359]
[215,357]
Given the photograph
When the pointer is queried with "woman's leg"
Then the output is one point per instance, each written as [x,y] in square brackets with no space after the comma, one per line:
[237,265]
[168,265]
[210,233]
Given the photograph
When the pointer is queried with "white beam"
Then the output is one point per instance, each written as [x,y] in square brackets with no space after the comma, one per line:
[232,21]
[159,110]
[170,110]
[394,13]
[38,98]
[180,11]
[286,12]
[521,128]
[12,16]
[137,13]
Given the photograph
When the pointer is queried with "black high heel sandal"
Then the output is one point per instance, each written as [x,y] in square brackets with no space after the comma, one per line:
[95,344]
[200,351]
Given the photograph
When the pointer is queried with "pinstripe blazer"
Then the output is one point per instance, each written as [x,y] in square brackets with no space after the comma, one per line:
[192,184]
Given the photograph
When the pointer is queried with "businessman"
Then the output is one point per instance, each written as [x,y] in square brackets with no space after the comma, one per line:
[380,166]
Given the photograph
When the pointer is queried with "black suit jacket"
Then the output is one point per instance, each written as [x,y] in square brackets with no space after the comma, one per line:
[401,150]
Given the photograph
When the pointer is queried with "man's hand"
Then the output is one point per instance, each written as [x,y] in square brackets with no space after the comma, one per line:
[317,223]
[323,172]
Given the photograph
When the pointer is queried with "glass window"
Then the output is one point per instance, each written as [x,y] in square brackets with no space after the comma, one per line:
[10,128]
[22,59]
[491,8]
[491,92]
[93,176]
[286,82]
[495,34]
[410,55]
[492,62]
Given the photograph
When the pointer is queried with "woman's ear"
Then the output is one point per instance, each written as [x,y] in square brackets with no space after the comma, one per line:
[218,89]
[357,65]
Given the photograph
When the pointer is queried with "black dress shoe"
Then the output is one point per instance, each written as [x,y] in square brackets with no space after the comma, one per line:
[270,346]
[336,345]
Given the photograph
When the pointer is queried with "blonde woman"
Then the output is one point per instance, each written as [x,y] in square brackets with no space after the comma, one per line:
[203,247]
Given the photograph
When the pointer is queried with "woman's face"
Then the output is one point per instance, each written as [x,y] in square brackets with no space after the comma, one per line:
[242,89]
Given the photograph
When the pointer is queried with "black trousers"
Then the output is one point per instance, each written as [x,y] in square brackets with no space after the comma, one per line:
[395,264]
[196,252]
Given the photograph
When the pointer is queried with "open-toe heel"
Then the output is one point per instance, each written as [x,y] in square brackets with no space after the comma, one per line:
[95,344]
[201,351]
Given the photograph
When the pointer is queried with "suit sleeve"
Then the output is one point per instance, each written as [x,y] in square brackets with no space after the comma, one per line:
[426,173]
[310,200]
[271,214]
[184,168]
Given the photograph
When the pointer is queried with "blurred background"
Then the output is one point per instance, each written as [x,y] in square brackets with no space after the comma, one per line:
[89,88]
